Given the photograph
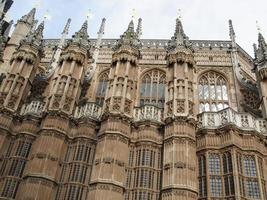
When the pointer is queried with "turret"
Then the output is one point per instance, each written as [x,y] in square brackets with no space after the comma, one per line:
[118,111]
[179,169]
[261,71]
[70,72]
[22,29]
[23,68]
[181,66]
[122,74]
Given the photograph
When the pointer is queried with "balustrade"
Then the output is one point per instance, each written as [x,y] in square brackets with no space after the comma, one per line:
[228,116]
[34,108]
[148,112]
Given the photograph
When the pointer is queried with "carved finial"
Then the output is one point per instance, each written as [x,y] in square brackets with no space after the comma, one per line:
[130,27]
[180,14]
[37,3]
[36,37]
[231,29]
[179,32]
[35,23]
[258,27]
[67,27]
[29,18]
[261,40]
[47,16]
[139,28]
[102,26]
[129,38]
[133,14]
[81,37]
[179,39]
[261,52]
[89,15]
[232,33]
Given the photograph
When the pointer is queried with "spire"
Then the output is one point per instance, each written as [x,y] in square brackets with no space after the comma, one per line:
[139,28]
[261,52]
[102,26]
[29,18]
[130,27]
[179,38]
[34,25]
[100,34]
[81,37]
[261,40]
[56,54]
[129,37]
[67,27]
[35,37]
[232,33]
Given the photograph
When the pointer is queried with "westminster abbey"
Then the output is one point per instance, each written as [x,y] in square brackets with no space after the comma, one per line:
[130,118]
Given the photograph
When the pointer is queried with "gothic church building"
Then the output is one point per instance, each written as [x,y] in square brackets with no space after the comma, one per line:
[131,118]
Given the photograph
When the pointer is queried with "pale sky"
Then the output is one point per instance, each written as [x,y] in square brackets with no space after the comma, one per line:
[202,19]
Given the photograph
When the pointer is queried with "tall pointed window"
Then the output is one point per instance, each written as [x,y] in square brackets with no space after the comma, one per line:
[102,88]
[153,88]
[212,92]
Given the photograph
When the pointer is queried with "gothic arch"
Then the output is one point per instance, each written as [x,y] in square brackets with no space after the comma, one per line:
[152,88]
[102,85]
[213,91]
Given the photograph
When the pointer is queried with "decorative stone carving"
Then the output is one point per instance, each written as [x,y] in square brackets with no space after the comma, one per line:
[228,116]
[89,110]
[34,108]
[148,112]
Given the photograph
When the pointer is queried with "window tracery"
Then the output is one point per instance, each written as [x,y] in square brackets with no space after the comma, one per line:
[212,92]
[102,88]
[152,90]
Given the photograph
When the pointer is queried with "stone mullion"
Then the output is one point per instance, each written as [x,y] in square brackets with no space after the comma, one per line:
[11,90]
[13,157]
[114,86]
[54,90]
[14,83]
[49,167]
[235,174]
[3,85]
[186,105]
[175,92]
[125,84]
[208,175]
[222,175]
[67,83]
[259,176]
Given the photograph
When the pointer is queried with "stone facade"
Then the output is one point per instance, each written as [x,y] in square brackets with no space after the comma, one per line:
[131,119]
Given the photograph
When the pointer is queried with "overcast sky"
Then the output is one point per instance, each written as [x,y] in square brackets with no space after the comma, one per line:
[202,19]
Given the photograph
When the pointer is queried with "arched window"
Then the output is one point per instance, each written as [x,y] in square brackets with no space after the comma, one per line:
[153,88]
[102,88]
[212,92]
